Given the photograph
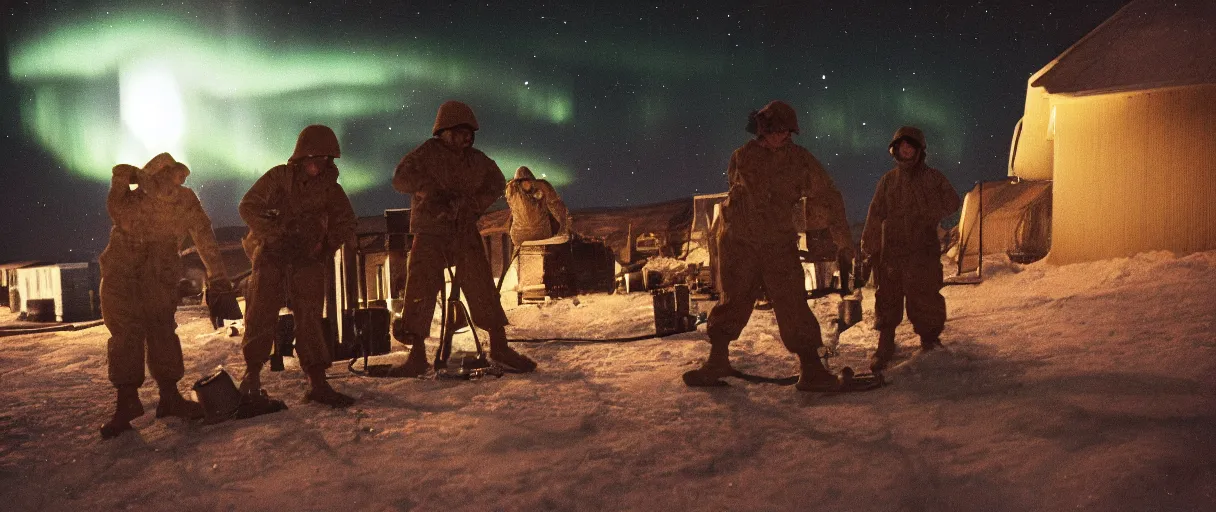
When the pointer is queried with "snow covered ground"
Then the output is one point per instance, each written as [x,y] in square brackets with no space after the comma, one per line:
[1088,386]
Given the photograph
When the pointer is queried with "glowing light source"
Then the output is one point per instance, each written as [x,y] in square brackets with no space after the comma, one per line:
[151,109]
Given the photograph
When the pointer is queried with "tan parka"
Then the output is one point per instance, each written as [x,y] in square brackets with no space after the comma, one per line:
[909,203]
[447,186]
[766,184]
[532,201]
[290,213]
[140,269]
[149,233]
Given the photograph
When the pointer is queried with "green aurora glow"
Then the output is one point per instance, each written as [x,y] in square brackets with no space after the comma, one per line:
[241,102]
[123,87]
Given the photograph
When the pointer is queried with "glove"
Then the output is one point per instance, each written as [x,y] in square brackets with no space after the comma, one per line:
[846,275]
[466,206]
[862,272]
[442,204]
[302,238]
[220,298]
[127,172]
[820,245]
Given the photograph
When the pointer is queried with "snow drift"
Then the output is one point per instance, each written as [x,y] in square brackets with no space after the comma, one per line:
[1087,386]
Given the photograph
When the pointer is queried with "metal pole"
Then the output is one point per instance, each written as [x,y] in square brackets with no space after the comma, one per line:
[962,239]
[980,273]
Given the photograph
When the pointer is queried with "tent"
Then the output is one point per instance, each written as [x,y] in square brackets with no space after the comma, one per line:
[1013,217]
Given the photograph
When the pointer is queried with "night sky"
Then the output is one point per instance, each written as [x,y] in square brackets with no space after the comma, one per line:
[616,105]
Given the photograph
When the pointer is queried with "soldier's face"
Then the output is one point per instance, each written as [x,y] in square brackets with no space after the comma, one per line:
[313,165]
[906,151]
[179,176]
[162,184]
[775,139]
[459,137]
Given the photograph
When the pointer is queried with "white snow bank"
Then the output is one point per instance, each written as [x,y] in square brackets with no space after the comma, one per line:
[1087,386]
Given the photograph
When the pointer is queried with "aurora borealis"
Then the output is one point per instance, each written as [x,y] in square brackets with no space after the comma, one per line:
[615,104]
[158,83]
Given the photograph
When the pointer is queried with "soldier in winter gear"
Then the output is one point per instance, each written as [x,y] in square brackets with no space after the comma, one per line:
[450,184]
[901,245]
[532,202]
[757,245]
[140,270]
[298,216]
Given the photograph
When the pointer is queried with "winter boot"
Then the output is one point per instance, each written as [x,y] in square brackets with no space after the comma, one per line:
[928,343]
[254,400]
[715,367]
[885,352]
[416,364]
[320,391]
[172,403]
[127,408]
[257,403]
[506,356]
[814,377]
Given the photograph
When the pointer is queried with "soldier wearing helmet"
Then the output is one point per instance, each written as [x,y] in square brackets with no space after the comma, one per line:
[757,245]
[298,216]
[140,269]
[901,245]
[450,185]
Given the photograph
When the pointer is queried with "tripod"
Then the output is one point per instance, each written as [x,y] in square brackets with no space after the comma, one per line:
[453,308]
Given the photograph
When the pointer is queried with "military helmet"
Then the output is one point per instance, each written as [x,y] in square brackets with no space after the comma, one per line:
[452,114]
[316,140]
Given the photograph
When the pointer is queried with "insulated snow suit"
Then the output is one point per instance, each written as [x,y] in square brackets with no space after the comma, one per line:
[532,201]
[450,189]
[757,245]
[296,223]
[900,238]
[140,269]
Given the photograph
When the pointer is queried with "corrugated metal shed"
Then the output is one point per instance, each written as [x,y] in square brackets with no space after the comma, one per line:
[71,286]
[1122,122]
[1135,172]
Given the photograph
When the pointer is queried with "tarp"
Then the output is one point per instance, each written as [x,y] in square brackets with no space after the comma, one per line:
[705,210]
[1015,219]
